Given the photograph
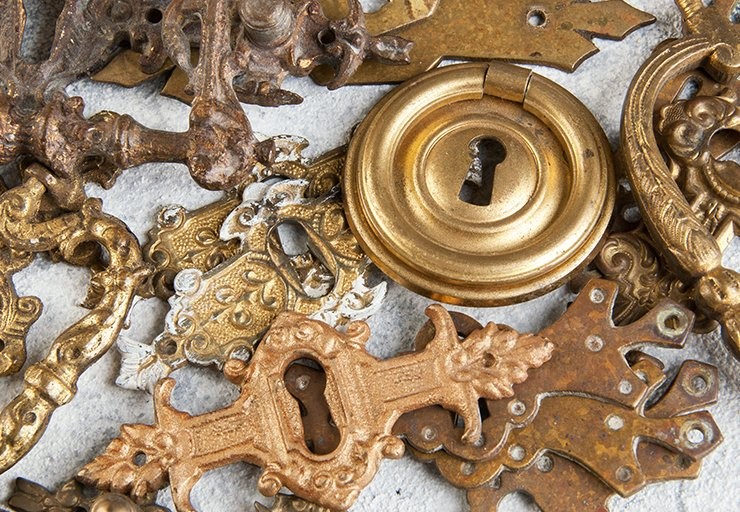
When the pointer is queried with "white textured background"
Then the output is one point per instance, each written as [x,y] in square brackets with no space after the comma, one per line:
[83,429]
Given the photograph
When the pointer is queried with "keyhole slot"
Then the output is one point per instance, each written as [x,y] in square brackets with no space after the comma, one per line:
[486,153]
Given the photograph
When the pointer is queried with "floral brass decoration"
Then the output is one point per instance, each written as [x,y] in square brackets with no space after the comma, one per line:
[546,32]
[693,200]
[250,46]
[51,383]
[222,313]
[31,497]
[366,397]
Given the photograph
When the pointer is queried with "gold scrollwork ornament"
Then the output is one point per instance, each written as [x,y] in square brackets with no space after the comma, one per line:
[686,202]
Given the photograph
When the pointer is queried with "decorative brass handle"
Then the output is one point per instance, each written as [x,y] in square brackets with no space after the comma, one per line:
[686,243]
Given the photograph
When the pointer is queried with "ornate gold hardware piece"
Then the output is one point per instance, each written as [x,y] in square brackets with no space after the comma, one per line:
[547,32]
[190,240]
[499,177]
[365,396]
[245,46]
[694,199]
[31,497]
[222,314]
[51,383]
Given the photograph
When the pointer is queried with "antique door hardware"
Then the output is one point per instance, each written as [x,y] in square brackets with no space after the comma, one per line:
[499,177]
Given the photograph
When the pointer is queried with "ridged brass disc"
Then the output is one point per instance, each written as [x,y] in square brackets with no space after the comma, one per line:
[549,206]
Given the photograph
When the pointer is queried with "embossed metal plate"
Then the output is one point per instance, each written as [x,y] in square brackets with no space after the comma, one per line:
[479,184]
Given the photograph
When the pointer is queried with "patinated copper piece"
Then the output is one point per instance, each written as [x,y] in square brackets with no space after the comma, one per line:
[365,396]
[499,177]
[683,222]
[51,383]
[221,314]
[31,497]
[190,240]
[245,45]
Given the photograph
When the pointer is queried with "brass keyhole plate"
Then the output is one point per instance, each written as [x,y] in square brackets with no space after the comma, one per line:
[552,194]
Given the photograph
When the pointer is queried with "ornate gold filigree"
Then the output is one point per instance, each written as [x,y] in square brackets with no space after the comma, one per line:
[366,397]
[51,383]
[71,497]
[222,313]
[17,314]
[190,240]
[684,237]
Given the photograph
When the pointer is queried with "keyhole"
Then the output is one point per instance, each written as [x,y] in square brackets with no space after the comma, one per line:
[487,154]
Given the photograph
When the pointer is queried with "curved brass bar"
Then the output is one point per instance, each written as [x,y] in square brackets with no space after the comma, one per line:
[689,248]
[51,383]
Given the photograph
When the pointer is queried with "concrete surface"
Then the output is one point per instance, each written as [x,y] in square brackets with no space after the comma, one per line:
[83,429]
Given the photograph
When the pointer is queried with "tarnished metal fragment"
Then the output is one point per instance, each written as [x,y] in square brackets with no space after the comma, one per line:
[547,32]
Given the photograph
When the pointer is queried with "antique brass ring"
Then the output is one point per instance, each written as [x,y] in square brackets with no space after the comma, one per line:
[529,223]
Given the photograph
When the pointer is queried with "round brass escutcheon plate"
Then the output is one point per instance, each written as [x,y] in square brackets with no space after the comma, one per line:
[479,184]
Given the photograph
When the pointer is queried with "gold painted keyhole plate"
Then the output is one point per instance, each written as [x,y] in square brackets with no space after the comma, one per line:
[551,200]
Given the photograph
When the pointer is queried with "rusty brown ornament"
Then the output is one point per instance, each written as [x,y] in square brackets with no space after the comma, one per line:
[683,222]
[40,121]
[51,383]
[590,354]
[626,448]
[365,396]
[547,32]
[71,497]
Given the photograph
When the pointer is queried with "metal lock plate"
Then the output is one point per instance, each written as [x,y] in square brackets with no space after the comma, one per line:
[479,184]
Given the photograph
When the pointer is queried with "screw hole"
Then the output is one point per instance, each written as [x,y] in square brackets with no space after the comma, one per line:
[153,16]
[597,296]
[537,18]
[673,322]
[545,464]
[467,468]
[169,348]
[29,418]
[327,37]
[517,453]
[696,436]
[624,474]
[699,384]
[140,459]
